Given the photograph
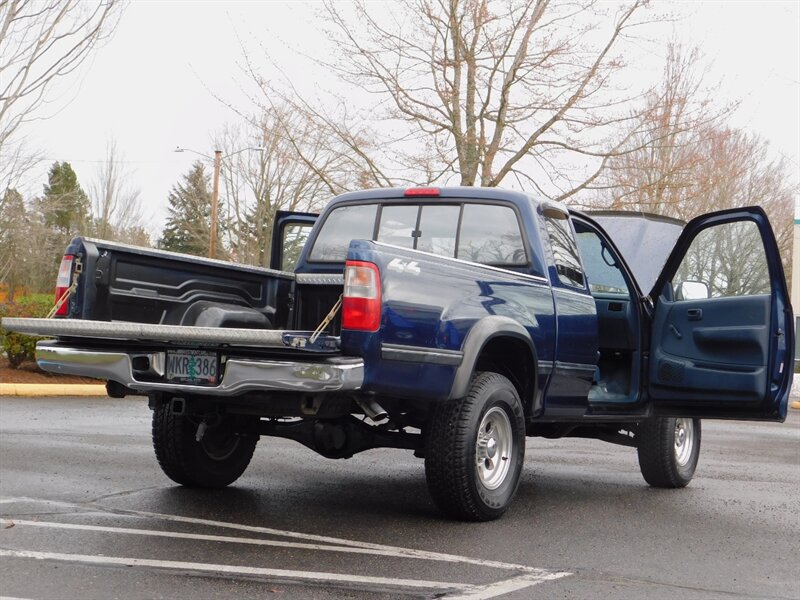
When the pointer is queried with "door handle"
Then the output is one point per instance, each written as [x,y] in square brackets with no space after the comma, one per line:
[695,314]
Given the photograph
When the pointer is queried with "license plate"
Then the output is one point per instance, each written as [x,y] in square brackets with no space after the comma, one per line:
[192,366]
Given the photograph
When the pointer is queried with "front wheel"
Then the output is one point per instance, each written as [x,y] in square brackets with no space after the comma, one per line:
[669,449]
[217,460]
[475,448]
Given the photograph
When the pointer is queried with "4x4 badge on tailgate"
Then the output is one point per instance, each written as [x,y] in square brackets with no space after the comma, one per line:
[404,267]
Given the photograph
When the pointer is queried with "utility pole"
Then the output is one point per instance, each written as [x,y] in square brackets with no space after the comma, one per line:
[212,244]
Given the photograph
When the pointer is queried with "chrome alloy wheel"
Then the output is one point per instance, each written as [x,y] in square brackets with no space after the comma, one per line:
[494,447]
[684,441]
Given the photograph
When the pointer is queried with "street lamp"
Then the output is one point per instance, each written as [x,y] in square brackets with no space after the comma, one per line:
[212,243]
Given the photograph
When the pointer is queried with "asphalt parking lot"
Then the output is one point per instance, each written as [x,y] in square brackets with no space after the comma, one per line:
[87,513]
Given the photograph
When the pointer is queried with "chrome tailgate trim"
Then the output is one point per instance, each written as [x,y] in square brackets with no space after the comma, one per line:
[148,332]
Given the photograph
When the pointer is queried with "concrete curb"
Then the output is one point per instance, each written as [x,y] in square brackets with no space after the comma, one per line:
[52,389]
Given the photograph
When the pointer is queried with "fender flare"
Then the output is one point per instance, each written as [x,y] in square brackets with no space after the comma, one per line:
[484,330]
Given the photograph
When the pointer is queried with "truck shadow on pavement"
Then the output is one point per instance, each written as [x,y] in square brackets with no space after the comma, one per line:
[373,500]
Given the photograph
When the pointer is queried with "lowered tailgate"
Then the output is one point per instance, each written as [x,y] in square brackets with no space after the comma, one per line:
[206,360]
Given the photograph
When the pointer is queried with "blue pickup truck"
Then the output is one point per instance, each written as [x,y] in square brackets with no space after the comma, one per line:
[453,322]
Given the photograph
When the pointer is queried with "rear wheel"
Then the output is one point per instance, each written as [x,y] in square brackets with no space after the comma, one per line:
[668,449]
[217,460]
[475,448]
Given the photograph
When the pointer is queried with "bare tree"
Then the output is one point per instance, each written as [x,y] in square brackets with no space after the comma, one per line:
[41,43]
[658,169]
[687,161]
[298,168]
[485,90]
[739,170]
[116,206]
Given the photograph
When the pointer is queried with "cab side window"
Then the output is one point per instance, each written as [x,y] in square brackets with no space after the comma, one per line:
[490,235]
[565,252]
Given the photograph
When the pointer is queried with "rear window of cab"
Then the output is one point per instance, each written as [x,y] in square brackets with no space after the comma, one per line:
[483,233]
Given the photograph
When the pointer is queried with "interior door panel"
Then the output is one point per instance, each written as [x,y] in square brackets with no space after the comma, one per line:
[717,346]
[617,323]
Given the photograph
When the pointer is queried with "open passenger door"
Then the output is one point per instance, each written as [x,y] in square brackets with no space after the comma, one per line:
[289,234]
[722,339]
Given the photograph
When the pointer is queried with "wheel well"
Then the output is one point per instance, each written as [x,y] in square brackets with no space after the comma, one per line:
[512,358]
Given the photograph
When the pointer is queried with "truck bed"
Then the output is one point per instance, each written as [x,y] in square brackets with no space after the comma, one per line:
[141,285]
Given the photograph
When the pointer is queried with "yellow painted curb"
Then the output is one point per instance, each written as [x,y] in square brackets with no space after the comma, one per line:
[52,389]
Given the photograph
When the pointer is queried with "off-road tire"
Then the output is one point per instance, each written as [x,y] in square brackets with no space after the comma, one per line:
[662,459]
[196,464]
[457,481]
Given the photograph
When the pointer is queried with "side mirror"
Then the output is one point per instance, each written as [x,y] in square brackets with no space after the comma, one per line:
[692,290]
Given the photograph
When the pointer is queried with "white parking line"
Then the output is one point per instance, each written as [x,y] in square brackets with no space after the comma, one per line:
[396,551]
[236,570]
[384,550]
[529,577]
[492,590]
[194,536]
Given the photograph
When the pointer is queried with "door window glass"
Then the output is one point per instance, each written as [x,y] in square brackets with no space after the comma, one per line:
[723,260]
[343,225]
[294,238]
[565,252]
[602,270]
[490,234]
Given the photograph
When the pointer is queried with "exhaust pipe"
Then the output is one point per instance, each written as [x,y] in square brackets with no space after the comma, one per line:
[372,409]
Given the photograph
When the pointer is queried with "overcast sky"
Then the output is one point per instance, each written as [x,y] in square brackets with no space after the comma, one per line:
[150,86]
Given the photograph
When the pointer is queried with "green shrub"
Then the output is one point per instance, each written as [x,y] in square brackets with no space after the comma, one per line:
[19,347]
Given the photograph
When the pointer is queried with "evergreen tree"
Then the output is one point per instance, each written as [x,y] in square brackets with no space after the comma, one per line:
[15,247]
[188,227]
[64,206]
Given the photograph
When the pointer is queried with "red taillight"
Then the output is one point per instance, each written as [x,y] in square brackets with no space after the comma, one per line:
[361,301]
[62,284]
[422,191]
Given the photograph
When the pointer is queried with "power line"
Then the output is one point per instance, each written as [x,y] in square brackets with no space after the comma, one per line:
[86,160]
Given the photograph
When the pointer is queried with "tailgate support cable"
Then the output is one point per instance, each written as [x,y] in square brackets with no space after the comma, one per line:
[326,321]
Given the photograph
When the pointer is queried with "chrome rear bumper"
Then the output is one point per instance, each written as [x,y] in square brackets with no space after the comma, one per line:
[333,374]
